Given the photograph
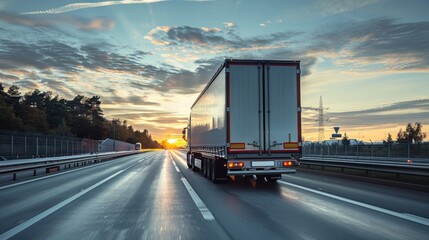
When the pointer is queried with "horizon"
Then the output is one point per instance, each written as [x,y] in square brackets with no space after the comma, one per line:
[149,60]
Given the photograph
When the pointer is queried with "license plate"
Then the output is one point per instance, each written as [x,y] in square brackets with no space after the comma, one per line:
[263,164]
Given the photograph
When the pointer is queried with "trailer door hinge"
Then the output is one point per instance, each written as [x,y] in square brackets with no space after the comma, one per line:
[227,70]
[227,109]
[299,109]
[298,71]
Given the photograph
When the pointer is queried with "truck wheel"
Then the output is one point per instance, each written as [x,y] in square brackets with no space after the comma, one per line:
[209,169]
[188,162]
[205,167]
[194,169]
[213,171]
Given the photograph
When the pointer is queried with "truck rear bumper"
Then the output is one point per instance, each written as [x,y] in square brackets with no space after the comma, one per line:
[260,172]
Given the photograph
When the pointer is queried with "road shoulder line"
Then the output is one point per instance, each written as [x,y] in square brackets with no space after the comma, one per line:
[405,216]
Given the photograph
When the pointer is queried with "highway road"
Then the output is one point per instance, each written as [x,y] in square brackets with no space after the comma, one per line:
[154,195]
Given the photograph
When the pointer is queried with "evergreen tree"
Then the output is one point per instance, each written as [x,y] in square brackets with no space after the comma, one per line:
[62,129]
[345,141]
[412,134]
[389,139]
[8,119]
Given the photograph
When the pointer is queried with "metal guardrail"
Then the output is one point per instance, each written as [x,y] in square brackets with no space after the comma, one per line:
[417,173]
[368,150]
[55,164]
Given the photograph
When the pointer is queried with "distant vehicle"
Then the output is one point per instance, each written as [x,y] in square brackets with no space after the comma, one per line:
[247,121]
[138,146]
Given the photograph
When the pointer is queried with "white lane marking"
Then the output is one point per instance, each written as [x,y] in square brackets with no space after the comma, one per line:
[176,154]
[12,232]
[175,166]
[207,215]
[405,216]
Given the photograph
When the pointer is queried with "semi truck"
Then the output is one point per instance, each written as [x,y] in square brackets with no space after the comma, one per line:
[247,121]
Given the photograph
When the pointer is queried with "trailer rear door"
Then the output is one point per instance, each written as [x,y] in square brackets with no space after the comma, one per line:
[263,107]
[282,107]
[245,107]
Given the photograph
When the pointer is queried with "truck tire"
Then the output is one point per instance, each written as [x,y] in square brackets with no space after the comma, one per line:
[188,162]
[205,167]
[209,169]
[213,171]
[194,169]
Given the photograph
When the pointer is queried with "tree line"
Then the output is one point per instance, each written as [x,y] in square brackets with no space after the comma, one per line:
[413,134]
[82,117]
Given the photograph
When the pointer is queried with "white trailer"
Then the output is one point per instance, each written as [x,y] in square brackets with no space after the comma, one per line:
[247,121]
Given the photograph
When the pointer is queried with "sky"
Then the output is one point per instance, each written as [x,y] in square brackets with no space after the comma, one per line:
[149,59]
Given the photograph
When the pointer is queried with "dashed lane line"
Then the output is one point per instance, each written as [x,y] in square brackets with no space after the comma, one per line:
[205,212]
[175,166]
[207,215]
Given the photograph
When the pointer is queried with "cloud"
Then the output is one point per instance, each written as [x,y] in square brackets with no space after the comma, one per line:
[169,120]
[180,81]
[399,113]
[215,39]
[264,24]
[394,45]
[165,35]
[138,55]
[28,85]
[78,6]
[18,20]
[8,77]
[91,25]
[331,7]
[55,85]
[229,25]
[79,23]
[64,60]
[42,55]
[131,99]
[133,113]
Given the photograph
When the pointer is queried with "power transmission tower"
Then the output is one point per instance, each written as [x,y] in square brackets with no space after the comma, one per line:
[321,119]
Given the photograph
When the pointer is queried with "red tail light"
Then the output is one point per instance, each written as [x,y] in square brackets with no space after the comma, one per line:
[287,163]
[235,164]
